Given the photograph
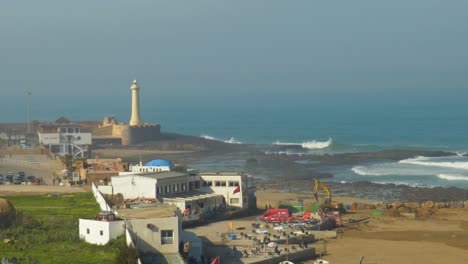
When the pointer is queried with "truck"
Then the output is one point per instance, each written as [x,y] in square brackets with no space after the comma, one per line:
[277,215]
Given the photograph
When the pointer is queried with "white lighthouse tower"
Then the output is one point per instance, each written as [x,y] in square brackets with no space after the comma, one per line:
[135,119]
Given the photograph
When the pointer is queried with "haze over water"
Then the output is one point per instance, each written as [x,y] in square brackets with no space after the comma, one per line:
[367,75]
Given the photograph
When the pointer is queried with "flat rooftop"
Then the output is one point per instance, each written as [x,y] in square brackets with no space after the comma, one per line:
[155,175]
[189,196]
[160,211]
[224,173]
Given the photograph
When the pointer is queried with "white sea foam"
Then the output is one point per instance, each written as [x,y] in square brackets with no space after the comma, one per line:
[308,144]
[425,161]
[288,153]
[360,170]
[450,177]
[230,141]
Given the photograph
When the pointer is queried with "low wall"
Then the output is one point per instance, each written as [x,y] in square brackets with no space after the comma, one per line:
[323,234]
[101,201]
[99,176]
[306,254]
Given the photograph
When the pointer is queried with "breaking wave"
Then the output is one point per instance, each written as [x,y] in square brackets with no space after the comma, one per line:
[425,161]
[308,144]
[360,170]
[450,177]
[230,141]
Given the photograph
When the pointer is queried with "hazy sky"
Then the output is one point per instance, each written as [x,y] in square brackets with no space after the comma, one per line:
[241,47]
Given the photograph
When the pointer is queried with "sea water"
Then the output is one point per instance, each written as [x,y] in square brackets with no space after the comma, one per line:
[335,125]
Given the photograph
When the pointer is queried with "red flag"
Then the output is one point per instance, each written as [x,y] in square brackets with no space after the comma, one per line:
[184,212]
[236,190]
[215,261]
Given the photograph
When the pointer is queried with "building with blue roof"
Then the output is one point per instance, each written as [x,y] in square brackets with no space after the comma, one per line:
[159,163]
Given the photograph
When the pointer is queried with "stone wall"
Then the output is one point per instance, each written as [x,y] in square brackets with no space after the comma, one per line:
[103,131]
[130,135]
[139,134]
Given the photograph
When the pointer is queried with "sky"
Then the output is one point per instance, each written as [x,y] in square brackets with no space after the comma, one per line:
[349,49]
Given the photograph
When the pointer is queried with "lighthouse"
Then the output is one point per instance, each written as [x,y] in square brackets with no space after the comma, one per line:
[135,119]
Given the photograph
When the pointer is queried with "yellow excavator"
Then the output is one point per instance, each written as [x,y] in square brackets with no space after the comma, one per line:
[327,205]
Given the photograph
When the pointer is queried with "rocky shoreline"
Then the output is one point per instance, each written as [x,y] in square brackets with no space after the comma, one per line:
[298,170]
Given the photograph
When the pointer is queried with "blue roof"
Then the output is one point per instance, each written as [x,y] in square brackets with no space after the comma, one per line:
[160,163]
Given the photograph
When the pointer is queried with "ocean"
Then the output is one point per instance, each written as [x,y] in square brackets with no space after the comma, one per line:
[318,125]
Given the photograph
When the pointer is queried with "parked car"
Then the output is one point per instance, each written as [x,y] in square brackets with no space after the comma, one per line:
[280,218]
[10,177]
[31,178]
[19,179]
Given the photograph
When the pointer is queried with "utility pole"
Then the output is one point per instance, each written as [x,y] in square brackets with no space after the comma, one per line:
[28,94]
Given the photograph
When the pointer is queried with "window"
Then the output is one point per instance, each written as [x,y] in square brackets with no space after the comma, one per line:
[197,185]
[217,183]
[234,201]
[87,230]
[101,232]
[223,183]
[167,237]
[210,183]
[158,191]
[167,188]
[205,183]
[233,183]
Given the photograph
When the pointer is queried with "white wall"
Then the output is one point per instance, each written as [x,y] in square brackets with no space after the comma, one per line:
[105,189]
[138,168]
[226,191]
[149,239]
[100,199]
[110,230]
[134,186]
[61,138]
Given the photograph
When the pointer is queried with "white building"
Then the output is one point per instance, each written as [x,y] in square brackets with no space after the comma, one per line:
[153,166]
[187,189]
[237,188]
[102,229]
[154,230]
[154,184]
[65,139]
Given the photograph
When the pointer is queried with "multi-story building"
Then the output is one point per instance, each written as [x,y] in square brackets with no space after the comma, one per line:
[237,188]
[63,139]
[187,189]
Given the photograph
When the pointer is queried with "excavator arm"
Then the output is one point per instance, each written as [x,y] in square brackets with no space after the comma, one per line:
[317,185]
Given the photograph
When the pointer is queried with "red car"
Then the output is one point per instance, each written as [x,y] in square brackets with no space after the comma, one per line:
[279,218]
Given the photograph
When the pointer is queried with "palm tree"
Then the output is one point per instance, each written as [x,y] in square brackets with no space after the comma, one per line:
[68,160]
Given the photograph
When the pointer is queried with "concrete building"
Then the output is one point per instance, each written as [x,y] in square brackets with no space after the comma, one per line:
[154,184]
[156,229]
[137,131]
[100,230]
[63,139]
[237,188]
[100,170]
[187,189]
